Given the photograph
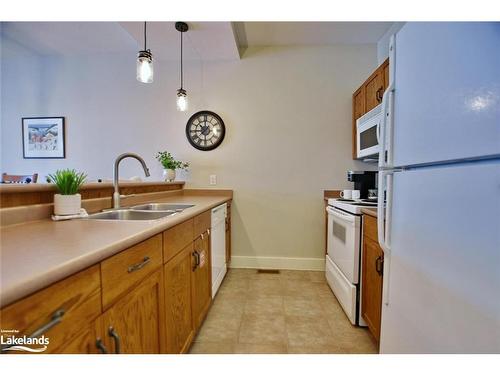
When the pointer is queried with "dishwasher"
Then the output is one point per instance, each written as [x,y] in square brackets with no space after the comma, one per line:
[218,246]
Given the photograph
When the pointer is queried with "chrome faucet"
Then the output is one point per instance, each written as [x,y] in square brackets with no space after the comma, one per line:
[116,194]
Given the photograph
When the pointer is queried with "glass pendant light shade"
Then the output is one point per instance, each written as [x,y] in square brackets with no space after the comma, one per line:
[145,69]
[182,100]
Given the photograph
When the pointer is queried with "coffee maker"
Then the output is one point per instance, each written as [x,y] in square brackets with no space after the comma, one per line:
[363,181]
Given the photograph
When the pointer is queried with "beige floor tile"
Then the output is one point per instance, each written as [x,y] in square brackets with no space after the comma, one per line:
[313,349]
[241,272]
[264,305]
[308,331]
[296,306]
[212,348]
[220,329]
[295,275]
[269,287]
[260,329]
[317,276]
[300,289]
[242,348]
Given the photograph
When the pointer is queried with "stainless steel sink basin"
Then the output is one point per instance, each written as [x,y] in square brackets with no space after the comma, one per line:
[175,207]
[129,214]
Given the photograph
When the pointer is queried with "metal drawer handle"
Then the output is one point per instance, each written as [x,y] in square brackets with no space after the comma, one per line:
[379,265]
[208,232]
[99,345]
[54,320]
[138,266]
[112,333]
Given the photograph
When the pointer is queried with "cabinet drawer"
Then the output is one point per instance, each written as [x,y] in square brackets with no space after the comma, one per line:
[177,238]
[370,227]
[63,309]
[202,223]
[122,271]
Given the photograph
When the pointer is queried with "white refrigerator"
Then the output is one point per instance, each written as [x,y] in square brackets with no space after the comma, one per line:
[439,166]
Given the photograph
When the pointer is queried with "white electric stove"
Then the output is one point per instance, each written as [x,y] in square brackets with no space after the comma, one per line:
[343,259]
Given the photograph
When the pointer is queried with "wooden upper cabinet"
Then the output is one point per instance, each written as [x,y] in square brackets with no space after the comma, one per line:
[179,319]
[374,89]
[59,312]
[372,279]
[201,280]
[135,324]
[367,97]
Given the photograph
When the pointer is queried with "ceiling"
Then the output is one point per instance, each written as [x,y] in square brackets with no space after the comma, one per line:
[204,40]
[311,33]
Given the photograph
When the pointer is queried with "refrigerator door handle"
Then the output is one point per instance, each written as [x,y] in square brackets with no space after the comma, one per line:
[384,224]
[385,158]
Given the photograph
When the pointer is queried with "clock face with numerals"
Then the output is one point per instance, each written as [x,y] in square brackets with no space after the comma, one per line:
[205,130]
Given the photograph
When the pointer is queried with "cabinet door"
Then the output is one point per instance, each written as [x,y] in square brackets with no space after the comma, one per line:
[179,319]
[84,343]
[386,73]
[372,285]
[374,90]
[135,324]
[201,279]
[358,110]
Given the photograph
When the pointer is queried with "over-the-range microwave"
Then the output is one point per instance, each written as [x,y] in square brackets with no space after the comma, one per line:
[367,138]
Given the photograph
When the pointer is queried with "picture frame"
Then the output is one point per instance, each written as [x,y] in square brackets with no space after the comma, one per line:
[43,138]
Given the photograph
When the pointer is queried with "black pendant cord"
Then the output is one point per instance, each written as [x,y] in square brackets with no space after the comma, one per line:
[181,63]
[145,49]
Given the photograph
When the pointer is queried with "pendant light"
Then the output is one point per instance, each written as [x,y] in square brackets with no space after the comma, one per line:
[182,100]
[145,63]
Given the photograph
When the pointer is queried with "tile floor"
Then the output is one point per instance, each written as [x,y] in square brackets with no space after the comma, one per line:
[289,312]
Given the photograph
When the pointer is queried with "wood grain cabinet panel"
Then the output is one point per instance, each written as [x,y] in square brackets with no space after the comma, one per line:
[85,342]
[201,280]
[202,223]
[370,227]
[177,238]
[65,308]
[135,324]
[123,270]
[372,279]
[367,97]
[228,234]
[179,320]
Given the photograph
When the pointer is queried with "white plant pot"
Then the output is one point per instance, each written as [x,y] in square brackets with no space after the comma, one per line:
[169,175]
[67,204]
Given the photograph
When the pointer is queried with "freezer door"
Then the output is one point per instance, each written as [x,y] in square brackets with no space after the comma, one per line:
[447,92]
[444,279]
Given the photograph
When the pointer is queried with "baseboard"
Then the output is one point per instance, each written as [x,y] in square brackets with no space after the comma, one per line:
[309,264]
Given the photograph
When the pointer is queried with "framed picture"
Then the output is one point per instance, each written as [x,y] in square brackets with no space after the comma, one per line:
[43,138]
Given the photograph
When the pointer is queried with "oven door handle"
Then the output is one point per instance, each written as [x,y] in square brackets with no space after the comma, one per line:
[340,215]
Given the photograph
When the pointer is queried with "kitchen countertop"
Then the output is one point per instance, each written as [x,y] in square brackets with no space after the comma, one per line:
[36,254]
[369,211]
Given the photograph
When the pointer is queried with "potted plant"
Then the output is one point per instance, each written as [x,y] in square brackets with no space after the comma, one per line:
[68,182]
[170,165]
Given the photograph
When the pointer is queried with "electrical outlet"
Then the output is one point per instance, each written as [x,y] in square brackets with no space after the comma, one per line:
[213,179]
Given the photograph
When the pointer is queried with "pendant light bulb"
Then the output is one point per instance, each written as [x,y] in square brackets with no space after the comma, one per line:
[145,69]
[182,100]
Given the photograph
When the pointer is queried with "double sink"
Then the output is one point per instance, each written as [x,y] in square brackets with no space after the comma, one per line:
[149,211]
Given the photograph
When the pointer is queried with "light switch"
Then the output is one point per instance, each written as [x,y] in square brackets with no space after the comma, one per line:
[213,179]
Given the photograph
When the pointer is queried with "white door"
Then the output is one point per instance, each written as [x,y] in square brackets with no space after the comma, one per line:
[447,92]
[343,242]
[444,279]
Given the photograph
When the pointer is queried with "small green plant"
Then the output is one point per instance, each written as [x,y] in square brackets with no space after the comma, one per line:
[67,181]
[168,162]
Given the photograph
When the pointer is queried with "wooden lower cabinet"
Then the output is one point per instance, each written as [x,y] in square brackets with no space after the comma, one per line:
[201,280]
[371,308]
[135,324]
[83,343]
[178,311]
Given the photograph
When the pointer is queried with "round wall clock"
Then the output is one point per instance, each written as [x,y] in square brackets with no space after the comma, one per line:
[205,130]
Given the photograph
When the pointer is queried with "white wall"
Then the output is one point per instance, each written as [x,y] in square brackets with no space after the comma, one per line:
[383,43]
[288,117]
